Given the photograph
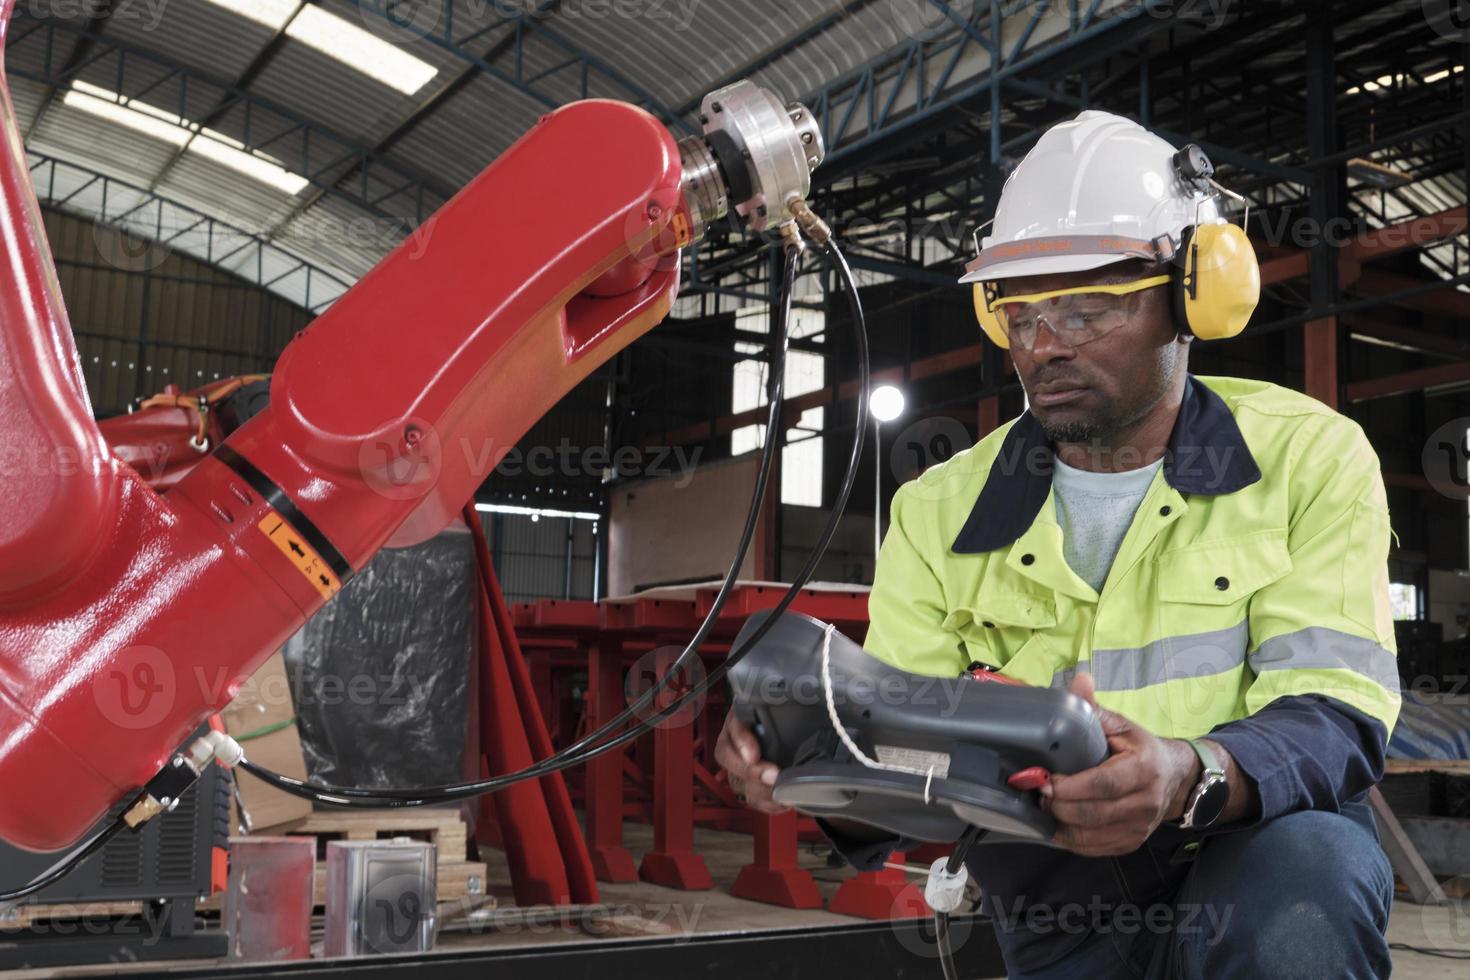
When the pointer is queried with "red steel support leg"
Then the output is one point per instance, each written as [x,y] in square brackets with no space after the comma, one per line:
[773,876]
[672,862]
[541,679]
[603,801]
[881,894]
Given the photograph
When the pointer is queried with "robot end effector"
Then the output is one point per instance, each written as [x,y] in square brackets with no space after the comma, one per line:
[756,158]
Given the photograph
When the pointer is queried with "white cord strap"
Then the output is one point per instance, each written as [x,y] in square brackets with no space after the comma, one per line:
[837,726]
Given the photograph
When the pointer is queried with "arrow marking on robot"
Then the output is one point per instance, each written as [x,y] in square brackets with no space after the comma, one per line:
[300,554]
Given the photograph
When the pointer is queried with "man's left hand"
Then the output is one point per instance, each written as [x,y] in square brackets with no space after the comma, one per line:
[1112,808]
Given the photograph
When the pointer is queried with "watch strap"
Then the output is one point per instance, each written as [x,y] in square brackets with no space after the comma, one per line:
[1207,757]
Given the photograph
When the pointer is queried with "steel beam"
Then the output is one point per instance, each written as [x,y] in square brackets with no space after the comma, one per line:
[875,86]
[1407,382]
[587,64]
[307,147]
[1401,290]
[1413,339]
[44,172]
[902,270]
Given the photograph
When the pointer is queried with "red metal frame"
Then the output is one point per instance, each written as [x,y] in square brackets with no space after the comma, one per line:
[127,617]
[684,787]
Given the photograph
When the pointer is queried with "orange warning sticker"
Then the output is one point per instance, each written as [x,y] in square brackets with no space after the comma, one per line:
[683,234]
[301,554]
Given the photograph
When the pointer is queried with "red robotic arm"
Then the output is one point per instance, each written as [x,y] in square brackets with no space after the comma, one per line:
[127,617]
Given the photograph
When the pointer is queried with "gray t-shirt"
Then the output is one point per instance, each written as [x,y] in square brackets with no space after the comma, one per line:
[1095,510]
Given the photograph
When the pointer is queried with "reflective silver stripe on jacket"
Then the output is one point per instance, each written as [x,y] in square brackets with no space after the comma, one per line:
[1197,655]
[1320,648]
[1187,657]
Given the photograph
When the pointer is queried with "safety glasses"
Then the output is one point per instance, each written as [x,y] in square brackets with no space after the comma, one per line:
[1078,315]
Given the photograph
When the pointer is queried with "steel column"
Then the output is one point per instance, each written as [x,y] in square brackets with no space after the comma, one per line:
[1326,203]
[604,797]
[672,862]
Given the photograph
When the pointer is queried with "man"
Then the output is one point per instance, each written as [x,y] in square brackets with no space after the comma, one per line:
[1204,560]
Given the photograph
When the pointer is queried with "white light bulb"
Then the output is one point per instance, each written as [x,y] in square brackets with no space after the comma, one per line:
[886,403]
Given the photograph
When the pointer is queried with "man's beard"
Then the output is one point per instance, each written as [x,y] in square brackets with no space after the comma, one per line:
[1076,430]
[1114,417]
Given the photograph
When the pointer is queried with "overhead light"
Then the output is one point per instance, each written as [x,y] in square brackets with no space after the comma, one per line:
[210,147]
[83,96]
[271,13]
[1372,172]
[337,37]
[535,513]
[193,138]
[1387,81]
[886,403]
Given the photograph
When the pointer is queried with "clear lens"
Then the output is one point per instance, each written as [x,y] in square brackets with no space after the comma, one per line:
[1075,319]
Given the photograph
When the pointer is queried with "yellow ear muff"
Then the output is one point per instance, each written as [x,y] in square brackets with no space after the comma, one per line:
[984,292]
[1219,285]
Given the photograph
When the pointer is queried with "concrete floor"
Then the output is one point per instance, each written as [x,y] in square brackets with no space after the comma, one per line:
[659,910]
[1445,928]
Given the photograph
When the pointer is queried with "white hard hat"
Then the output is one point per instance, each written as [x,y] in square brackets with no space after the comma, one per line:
[1096,190]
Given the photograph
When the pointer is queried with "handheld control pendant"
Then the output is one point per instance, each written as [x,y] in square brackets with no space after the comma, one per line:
[923,757]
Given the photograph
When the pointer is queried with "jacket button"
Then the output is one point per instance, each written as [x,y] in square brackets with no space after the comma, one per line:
[1222,583]
[1165,510]
[1028,559]
[988,625]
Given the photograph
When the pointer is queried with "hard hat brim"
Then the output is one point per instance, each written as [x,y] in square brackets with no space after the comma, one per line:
[1042,265]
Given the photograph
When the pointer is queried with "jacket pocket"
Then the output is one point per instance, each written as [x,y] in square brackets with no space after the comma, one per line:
[1204,592]
[996,625]
[1223,572]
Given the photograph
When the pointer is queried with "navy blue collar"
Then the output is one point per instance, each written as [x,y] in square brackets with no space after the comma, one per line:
[1206,455]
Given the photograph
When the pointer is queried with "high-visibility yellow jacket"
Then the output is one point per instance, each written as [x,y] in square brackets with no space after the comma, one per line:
[1248,600]
[1255,568]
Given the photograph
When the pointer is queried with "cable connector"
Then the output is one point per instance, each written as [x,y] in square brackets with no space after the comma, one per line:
[162,793]
[791,235]
[945,889]
[215,747]
[812,226]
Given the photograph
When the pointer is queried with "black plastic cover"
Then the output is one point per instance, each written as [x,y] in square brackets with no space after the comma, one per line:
[381,676]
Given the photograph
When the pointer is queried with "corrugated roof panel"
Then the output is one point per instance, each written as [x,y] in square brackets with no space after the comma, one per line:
[196,33]
[318,86]
[337,236]
[468,131]
[281,139]
[105,146]
[226,193]
[34,49]
[676,50]
[847,44]
[27,97]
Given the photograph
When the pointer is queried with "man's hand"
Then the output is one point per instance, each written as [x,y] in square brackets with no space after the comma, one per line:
[738,752]
[1112,808]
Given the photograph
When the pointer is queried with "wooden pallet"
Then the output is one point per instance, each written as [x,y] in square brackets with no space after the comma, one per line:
[23,916]
[1457,767]
[457,878]
[445,829]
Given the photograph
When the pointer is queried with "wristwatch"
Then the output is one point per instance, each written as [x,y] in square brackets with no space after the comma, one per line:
[1207,801]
